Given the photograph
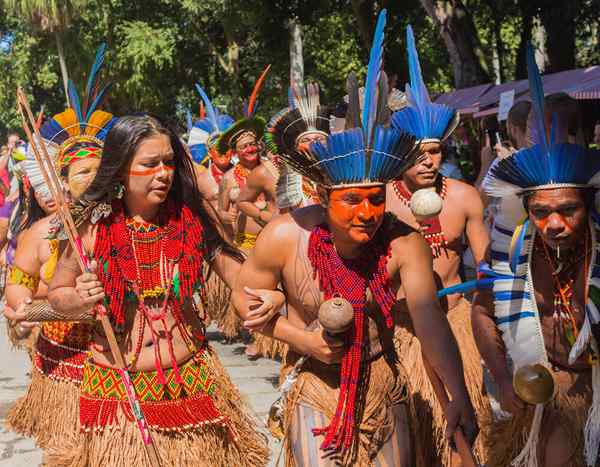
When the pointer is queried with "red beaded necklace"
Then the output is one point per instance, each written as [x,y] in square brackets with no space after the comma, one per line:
[433,233]
[240,173]
[216,173]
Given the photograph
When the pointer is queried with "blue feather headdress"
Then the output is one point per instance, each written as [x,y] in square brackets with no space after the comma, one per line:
[422,118]
[549,163]
[205,131]
[83,122]
[367,152]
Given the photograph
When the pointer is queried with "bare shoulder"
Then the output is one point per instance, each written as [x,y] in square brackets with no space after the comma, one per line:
[408,246]
[283,231]
[36,233]
[461,190]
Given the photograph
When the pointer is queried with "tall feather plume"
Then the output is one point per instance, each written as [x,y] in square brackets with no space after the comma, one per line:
[417,89]
[383,111]
[291,99]
[74,100]
[257,87]
[353,110]
[92,87]
[537,99]
[373,74]
[210,110]
[96,102]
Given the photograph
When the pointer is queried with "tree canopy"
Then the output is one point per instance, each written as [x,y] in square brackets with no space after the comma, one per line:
[158,49]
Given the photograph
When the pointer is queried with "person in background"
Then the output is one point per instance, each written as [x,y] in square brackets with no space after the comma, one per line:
[596,136]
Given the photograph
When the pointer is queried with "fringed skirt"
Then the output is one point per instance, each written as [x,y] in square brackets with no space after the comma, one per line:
[220,309]
[198,421]
[269,347]
[432,446]
[49,410]
[317,387]
[564,416]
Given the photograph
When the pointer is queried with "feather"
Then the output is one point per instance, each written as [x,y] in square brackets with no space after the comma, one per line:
[93,78]
[583,339]
[97,101]
[69,122]
[289,188]
[74,100]
[291,99]
[383,111]
[51,131]
[210,111]
[97,122]
[101,135]
[353,109]
[255,92]
[373,74]
[417,90]
[536,90]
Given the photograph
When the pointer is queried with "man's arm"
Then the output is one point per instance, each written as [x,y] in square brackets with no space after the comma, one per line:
[476,231]
[432,329]
[263,270]
[227,210]
[255,185]
[491,347]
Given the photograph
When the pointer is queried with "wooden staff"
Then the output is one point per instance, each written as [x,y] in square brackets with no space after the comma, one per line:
[51,178]
[462,446]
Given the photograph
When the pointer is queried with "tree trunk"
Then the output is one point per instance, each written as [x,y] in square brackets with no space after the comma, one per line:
[460,36]
[296,54]
[363,12]
[559,22]
[63,65]
[525,38]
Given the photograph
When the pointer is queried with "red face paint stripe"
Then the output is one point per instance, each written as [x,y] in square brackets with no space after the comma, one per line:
[150,171]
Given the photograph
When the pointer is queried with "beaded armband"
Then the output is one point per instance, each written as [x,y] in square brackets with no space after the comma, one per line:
[16,276]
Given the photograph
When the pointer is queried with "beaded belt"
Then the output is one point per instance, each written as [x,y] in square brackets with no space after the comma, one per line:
[169,407]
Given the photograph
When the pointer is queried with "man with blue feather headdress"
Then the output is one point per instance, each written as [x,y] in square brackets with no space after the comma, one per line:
[347,258]
[458,216]
[539,325]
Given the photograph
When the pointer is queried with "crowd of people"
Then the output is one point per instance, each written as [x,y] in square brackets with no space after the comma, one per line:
[338,240]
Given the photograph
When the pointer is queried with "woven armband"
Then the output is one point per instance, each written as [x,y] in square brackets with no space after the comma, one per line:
[16,276]
[41,310]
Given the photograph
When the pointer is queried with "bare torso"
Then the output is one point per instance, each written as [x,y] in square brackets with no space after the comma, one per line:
[231,189]
[302,289]
[557,345]
[453,220]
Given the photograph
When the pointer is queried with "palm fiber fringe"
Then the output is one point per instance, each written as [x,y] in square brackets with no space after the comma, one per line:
[269,347]
[432,447]
[48,412]
[567,412]
[218,296]
[318,387]
[26,343]
[210,445]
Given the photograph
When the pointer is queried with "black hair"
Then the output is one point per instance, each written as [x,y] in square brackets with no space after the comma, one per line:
[28,212]
[587,196]
[120,146]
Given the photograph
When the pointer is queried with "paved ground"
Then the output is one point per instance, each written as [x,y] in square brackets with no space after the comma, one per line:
[256,380]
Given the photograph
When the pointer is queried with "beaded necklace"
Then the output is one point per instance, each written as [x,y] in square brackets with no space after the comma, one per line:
[217,174]
[563,276]
[240,173]
[433,233]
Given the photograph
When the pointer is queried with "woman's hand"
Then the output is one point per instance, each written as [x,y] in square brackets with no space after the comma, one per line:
[264,305]
[89,288]
[17,318]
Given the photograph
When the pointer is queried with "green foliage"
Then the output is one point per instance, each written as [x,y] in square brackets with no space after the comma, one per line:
[158,49]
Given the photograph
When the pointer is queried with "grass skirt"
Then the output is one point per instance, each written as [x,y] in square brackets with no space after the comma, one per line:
[49,410]
[432,447]
[318,387]
[504,439]
[211,444]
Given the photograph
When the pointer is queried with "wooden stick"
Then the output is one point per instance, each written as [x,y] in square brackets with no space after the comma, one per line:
[462,446]
[51,178]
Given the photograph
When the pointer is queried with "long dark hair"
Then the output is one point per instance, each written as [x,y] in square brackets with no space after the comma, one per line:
[120,146]
[28,211]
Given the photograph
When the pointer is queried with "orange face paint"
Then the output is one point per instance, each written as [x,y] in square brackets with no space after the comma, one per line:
[155,170]
[357,212]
